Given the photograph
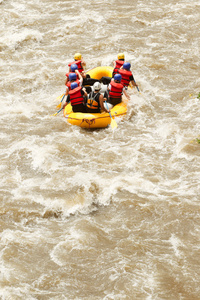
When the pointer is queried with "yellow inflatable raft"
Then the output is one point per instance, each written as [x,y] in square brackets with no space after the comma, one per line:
[98,120]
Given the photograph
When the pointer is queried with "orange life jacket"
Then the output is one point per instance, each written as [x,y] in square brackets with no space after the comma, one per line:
[75,96]
[92,101]
[116,89]
[118,65]
[79,65]
[125,76]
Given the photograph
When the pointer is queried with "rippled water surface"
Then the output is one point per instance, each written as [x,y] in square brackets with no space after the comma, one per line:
[100,214]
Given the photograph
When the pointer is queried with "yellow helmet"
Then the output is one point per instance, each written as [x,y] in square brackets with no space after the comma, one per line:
[120,56]
[77,56]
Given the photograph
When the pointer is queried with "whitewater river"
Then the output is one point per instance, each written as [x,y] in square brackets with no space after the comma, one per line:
[100,214]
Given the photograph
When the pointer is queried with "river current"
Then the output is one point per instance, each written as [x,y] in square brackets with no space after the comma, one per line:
[100,214]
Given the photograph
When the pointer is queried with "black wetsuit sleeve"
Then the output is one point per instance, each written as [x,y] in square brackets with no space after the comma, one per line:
[68,99]
[106,95]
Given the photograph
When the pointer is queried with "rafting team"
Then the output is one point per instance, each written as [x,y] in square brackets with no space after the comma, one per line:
[89,99]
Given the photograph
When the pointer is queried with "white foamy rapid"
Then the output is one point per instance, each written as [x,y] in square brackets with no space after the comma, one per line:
[100,214]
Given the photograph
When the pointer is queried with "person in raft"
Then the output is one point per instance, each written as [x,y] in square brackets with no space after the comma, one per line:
[116,90]
[118,63]
[78,60]
[127,76]
[95,100]
[77,97]
[73,78]
[73,69]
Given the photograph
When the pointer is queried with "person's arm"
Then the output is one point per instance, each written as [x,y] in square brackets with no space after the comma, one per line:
[66,102]
[83,62]
[85,95]
[132,81]
[101,99]
[109,87]
[67,91]
[105,96]
[84,91]
[79,76]
[66,81]
[125,93]
[83,74]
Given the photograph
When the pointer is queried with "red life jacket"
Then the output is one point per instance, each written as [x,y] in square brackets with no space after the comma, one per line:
[125,76]
[69,83]
[67,74]
[118,65]
[75,96]
[79,65]
[116,89]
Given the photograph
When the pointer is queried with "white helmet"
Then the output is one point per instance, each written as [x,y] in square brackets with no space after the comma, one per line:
[97,86]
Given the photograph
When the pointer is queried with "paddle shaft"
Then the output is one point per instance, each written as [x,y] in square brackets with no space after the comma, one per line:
[113,122]
[59,105]
[62,98]
[108,109]
[57,112]
[136,85]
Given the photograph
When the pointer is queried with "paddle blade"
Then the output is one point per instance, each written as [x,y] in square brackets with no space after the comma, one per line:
[113,124]
[59,105]
[59,97]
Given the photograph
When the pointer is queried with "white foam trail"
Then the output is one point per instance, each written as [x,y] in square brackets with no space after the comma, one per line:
[176,243]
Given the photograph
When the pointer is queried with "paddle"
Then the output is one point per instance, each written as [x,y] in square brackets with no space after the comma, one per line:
[57,112]
[113,122]
[59,105]
[59,97]
[136,86]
